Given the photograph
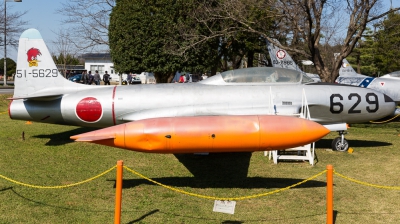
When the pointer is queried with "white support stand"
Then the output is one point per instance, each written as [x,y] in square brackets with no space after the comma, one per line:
[304,153]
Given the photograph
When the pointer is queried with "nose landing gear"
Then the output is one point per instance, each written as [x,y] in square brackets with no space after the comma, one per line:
[340,143]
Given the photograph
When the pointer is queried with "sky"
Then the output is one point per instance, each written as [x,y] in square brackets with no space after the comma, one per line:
[42,16]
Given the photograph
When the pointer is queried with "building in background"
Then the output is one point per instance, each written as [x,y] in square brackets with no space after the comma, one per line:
[100,62]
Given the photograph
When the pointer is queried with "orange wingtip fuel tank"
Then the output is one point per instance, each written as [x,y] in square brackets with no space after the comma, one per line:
[209,134]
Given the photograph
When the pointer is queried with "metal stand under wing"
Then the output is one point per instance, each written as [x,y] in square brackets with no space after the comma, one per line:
[303,153]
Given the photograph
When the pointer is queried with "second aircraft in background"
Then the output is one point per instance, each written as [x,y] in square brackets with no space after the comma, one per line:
[386,85]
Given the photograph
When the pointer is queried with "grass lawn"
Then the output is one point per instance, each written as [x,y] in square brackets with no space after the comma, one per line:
[47,157]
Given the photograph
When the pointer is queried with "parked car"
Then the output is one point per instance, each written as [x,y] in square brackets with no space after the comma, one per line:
[134,81]
[75,78]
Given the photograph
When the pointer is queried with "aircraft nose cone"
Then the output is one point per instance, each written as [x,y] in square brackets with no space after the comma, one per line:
[389,107]
[288,132]
[104,136]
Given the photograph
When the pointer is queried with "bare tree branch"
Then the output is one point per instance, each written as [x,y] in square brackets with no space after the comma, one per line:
[299,22]
[90,19]
[15,26]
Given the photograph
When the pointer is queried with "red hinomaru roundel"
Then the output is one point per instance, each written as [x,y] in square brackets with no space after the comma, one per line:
[281,54]
[89,109]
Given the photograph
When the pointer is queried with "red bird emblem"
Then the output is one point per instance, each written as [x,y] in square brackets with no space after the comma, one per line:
[33,53]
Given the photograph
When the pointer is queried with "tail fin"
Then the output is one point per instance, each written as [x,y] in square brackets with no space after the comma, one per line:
[347,71]
[37,75]
[281,59]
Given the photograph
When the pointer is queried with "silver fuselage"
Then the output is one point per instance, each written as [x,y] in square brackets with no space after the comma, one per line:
[329,104]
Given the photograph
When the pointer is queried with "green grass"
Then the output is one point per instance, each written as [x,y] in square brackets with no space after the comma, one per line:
[47,157]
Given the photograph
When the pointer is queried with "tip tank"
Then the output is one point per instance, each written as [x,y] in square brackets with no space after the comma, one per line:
[209,134]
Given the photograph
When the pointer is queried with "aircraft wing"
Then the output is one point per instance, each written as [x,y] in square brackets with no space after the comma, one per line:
[336,127]
[94,138]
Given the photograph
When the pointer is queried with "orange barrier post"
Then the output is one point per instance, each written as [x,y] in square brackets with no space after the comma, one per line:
[329,194]
[118,192]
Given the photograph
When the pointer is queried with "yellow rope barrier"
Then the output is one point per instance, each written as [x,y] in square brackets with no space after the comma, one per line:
[223,199]
[365,183]
[381,122]
[57,187]
[199,195]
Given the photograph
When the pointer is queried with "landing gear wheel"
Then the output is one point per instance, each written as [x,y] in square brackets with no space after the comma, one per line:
[337,144]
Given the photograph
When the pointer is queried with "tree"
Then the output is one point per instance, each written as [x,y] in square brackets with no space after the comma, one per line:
[301,22]
[135,32]
[140,32]
[364,54]
[235,43]
[11,67]
[388,43]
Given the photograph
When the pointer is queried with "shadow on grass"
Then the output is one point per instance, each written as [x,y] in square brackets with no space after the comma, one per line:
[55,206]
[149,213]
[62,138]
[144,216]
[222,166]
[212,220]
[327,143]
[5,189]
[250,182]
[269,219]
[220,170]
[186,217]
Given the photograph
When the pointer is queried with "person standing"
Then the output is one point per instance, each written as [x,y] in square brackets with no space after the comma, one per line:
[106,78]
[85,77]
[90,80]
[129,79]
[182,78]
[96,78]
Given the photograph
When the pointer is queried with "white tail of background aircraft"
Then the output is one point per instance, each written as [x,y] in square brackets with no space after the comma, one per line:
[281,59]
[37,75]
[346,70]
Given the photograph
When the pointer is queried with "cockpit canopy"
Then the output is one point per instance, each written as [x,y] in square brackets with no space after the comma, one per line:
[258,76]
[395,74]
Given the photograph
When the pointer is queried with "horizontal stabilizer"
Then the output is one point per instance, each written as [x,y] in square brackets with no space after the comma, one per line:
[38,97]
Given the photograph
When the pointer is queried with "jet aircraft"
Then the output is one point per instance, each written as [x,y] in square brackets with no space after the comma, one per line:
[386,85]
[244,97]
[281,59]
